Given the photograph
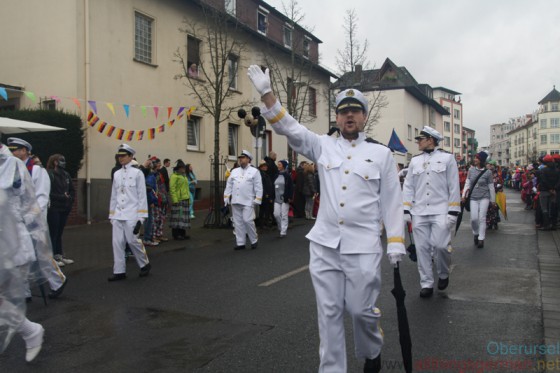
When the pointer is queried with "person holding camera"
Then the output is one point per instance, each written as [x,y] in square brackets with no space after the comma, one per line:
[359,188]
[128,210]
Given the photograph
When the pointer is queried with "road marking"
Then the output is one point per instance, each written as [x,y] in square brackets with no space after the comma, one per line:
[285,276]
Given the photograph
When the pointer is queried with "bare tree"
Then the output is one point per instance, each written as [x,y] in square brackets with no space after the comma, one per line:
[212,85]
[354,52]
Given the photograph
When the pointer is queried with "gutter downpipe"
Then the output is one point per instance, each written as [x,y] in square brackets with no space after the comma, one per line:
[87,84]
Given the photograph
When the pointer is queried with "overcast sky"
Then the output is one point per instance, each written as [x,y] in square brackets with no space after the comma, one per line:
[502,55]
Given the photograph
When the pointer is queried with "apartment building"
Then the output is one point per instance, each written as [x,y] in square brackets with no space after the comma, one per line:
[470,146]
[549,124]
[452,129]
[119,60]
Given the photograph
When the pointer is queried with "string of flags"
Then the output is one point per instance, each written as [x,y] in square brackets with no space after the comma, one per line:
[102,126]
[93,104]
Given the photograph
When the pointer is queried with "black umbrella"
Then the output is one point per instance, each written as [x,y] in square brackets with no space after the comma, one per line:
[404,330]
[459,219]
[412,247]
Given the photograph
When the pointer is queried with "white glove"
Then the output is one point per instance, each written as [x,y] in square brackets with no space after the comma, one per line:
[260,80]
[256,202]
[394,258]
[451,221]
[407,217]
[226,201]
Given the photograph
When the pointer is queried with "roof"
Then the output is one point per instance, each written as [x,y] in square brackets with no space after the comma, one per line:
[447,90]
[388,77]
[554,95]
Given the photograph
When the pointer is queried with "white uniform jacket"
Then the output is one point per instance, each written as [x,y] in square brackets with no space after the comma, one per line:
[244,186]
[431,186]
[128,197]
[42,183]
[359,188]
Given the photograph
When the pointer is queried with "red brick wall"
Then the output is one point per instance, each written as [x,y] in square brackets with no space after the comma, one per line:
[74,218]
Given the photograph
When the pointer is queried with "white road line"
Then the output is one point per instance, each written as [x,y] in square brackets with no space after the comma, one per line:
[284,276]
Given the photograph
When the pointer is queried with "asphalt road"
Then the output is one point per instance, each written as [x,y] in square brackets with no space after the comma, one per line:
[207,308]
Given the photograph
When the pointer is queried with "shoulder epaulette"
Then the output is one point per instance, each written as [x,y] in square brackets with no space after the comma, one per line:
[372,141]
[442,150]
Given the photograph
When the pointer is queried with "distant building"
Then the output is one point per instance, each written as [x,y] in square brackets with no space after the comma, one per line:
[549,124]
[452,128]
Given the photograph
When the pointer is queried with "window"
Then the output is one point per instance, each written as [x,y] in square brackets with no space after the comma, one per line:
[457,128]
[193,51]
[447,141]
[457,143]
[312,101]
[554,122]
[447,108]
[543,139]
[554,106]
[306,47]
[232,71]
[543,124]
[48,105]
[233,130]
[456,114]
[143,37]
[288,36]
[230,7]
[262,20]
[193,133]
[409,133]
[555,138]
[446,126]
[415,132]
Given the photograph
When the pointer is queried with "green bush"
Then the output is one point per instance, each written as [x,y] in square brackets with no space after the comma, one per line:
[69,143]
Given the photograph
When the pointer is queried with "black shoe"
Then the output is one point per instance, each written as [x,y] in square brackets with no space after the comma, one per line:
[56,293]
[373,365]
[480,244]
[254,246]
[117,277]
[442,283]
[145,271]
[240,247]
[426,292]
[476,239]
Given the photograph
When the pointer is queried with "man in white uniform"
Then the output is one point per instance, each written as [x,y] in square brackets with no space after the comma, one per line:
[359,188]
[244,190]
[432,203]
[128,209]
[41,181]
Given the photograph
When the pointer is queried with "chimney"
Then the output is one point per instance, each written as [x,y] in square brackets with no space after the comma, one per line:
[358,73]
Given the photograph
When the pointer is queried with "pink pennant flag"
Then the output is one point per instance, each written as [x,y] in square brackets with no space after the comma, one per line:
[169,110]
[77,102]
[111,107]
[156,110]
[93,105]
[56,99]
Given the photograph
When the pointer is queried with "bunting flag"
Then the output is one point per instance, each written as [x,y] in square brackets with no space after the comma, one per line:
[56,99]
[93,105]
[395,144]
[101,126]
[126,108]
[111,107]
[3,93]
[140,135]
[120,134]
[171,122]
[89,115]
[151,133]
[156,110]
[77,102]
[129,135]
[143,109]
[92,119]
[161,128]
[169,110]
[191,109]
[110,131]
[180,111]
[30,95]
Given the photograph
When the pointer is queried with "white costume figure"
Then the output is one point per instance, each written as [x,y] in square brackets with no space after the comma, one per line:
[42,186]
[431,196]
[23,240]
[244,190]
[128,207]
[359,188]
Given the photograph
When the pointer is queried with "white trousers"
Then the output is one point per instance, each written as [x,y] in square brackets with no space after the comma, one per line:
[431,236]
[478,217]
[350,282]
[123,233]
[244,223]
[281,211]
[51,273]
